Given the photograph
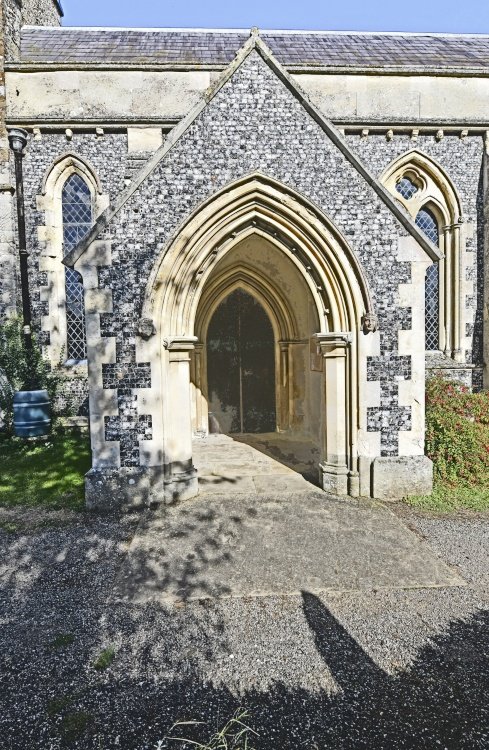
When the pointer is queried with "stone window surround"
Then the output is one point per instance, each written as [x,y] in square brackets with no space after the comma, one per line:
[437,194]
[50,236]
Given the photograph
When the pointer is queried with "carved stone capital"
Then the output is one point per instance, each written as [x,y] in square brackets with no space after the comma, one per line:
[333,344]
[180,343]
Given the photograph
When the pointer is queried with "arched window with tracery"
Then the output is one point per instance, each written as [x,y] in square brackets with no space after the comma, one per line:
[428,195]
[77,210]
[426,221]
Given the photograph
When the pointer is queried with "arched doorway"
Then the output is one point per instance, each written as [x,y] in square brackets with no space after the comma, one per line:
[317,312]
[241,366]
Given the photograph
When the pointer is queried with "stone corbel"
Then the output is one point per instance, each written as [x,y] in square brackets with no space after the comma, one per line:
[333,344]
[146,328]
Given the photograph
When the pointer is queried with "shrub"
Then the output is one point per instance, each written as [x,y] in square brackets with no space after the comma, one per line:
[457,433]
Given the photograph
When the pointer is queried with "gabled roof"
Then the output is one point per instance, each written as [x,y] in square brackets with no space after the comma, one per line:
[217,47]
[254,43]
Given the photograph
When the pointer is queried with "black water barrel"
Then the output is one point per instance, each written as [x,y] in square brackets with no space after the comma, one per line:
[32,413]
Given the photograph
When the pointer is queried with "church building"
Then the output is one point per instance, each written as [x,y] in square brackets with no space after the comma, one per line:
[247,231]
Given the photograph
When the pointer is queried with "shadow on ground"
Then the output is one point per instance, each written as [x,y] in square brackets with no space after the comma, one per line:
[57,616]
[301,455]
[440,701]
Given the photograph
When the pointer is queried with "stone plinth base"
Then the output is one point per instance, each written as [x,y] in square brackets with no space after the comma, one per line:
[125,488]
[395,477]
[334,479]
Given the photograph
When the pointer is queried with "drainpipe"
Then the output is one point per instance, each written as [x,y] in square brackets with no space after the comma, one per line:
[18,140]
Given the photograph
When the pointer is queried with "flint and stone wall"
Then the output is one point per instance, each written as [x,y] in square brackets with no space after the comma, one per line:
[107,156]
[461,159]
[253,124]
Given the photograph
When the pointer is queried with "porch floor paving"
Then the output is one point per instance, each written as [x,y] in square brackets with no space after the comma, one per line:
[259,528]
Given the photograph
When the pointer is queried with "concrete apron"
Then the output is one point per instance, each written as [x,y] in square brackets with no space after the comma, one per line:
[260,529]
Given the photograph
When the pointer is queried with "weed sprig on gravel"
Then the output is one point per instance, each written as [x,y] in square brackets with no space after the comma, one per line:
[234,735]
[104,659]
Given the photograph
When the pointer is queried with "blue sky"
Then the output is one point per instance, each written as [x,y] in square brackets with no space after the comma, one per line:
[469,16]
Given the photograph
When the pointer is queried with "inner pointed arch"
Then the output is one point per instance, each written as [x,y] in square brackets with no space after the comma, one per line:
[258,205]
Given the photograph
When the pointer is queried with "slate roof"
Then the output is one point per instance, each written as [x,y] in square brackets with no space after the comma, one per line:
[214,47]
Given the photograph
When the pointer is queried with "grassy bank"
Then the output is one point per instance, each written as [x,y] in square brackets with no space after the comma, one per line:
[447,499]
[47,473]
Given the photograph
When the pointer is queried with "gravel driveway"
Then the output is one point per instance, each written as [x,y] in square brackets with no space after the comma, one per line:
[403,668]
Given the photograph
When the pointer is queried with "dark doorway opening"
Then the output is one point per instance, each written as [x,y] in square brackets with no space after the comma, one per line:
[241,366]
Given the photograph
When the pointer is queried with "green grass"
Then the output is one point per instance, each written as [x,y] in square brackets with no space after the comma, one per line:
[9,526]
[47,474]
[104,659]
[62,640]
[74,725]
[56,706]
[445,499]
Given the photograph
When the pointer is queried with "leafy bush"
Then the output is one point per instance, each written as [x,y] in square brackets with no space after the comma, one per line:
[19,367]
[457,433]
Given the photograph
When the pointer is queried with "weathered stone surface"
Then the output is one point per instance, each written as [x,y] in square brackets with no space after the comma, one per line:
[110,489]
[274,544]
[395,477]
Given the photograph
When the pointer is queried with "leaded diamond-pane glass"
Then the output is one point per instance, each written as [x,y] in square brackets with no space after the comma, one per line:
[77,202]
[77,222]
[428,224]
[406,188]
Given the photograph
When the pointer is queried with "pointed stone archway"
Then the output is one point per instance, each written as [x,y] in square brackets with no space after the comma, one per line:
[318,338]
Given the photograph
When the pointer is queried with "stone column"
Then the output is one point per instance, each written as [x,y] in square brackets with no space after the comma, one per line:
[180,474]
[458,317]
[445,301]
[334,466]
[200,412]
[283,381]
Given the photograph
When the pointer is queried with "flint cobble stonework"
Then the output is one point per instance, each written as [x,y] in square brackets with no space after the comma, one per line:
[255,124]
[107,155]
[461,159]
